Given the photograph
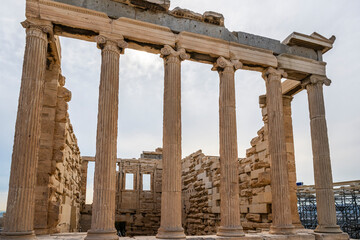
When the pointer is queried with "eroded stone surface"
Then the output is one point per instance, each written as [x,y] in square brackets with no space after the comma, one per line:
[154,5]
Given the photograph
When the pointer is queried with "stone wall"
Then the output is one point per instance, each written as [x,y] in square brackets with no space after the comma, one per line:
[139,209]
[200,178]
[58,194]
[254,184]
[201,198]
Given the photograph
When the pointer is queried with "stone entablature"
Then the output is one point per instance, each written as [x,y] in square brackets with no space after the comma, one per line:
[149,32]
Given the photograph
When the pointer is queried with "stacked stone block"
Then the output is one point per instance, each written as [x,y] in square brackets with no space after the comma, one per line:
[138,208]
[200,193]
[201,198]
[201,202]
[254,184]
[58,194]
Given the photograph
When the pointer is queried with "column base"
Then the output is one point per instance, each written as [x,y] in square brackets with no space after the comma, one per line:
[331,236]
[101,235]
[297,236]
[298,226]
[288,230]
[328,229]
[171,233]
[18,235]
[230,232]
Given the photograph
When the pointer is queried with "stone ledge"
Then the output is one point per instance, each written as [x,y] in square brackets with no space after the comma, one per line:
[308,235]
[331,236]
[258,236]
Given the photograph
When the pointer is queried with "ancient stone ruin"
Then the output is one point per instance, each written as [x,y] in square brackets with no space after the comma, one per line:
[254,197]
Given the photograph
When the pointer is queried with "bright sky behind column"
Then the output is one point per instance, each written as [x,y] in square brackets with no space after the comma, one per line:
[141,86]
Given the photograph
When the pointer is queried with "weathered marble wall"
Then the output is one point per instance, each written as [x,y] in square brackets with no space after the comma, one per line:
[58,194]
[200,178]
[255,189]
[138,208]
[201,198]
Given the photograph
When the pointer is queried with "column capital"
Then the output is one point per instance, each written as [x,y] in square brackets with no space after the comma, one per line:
[315,80]
[262,99]
[37,28]
[168,51]
[270,74]
[287,98]
[222,63]
[111,44]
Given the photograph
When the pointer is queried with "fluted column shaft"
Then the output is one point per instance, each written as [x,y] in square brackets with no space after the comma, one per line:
[281,211]
[290,151]
[170,226]
[326,212]
[103,208]
[230,225]
[19,220]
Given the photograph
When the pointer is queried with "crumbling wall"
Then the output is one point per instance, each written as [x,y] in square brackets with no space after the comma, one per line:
[138,209]
[201,197]
[254,184]
[58,194]
[200,194]
[201,174]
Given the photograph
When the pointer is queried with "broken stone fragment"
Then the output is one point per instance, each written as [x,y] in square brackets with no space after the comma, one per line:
[213,18]
[155,5]
[185,13]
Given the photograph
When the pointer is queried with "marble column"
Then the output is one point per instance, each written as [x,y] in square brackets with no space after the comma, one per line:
[230,225]
[103,208]
[170,225]
[19,220]
[290,153]
[281,210]
[321,156]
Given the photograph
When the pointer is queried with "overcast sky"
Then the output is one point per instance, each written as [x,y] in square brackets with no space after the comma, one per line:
[141,86]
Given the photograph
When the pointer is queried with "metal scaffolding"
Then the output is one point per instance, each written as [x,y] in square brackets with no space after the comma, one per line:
[347,202]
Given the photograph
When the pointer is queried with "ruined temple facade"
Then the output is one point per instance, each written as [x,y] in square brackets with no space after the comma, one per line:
[138,195]
[46,183]
[138,209]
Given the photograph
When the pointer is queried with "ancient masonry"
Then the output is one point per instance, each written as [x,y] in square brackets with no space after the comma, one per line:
[137,210]
[46,189]
[201,181]
[57,192]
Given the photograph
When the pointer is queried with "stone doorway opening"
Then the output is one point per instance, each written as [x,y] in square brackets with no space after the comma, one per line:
[120,228]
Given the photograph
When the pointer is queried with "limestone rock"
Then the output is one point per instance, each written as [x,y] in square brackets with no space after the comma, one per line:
[154,5]
[213,18]
[185,13]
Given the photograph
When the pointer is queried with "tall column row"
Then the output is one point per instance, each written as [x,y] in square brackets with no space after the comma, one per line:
[103,207]
[281,211]
[170,225]
[230,225]
[290,155]
[321,156]
[19,222]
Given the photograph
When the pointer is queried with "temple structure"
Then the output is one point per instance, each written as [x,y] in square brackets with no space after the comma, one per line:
[177,35]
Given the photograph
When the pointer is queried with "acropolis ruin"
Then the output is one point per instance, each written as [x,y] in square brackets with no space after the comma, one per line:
[169,196]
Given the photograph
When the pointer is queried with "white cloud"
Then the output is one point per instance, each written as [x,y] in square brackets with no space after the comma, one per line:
[3,201]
